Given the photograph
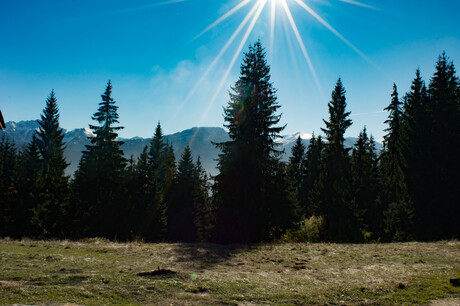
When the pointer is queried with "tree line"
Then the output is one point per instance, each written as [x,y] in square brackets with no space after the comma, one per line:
[325,192]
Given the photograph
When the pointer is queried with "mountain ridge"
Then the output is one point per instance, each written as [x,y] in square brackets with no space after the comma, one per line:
[200,139]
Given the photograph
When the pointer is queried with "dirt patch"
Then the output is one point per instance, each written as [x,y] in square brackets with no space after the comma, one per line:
[159,272]
[446,302]
[68,271]
[11,284]
[198,290]
[77,279]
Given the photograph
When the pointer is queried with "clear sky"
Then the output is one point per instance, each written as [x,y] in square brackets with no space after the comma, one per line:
[159,64]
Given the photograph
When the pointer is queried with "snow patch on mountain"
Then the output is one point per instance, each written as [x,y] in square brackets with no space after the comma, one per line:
[89,132]
[286,139]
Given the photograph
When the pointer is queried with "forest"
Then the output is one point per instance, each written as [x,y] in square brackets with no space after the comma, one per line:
[410,190]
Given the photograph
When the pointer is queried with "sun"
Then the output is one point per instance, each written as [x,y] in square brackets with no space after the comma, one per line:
[247,25]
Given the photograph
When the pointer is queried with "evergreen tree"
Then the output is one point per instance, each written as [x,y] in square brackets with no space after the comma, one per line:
[180,211]
[51,210]
[169,169]
[31,189]
[392,140]
[156,153]
[10,211]
[313,160]
[296,167]
[444,168]
[395,196]
[417,154]
[161,162]
[160,171]
[148,210]
[98,181]
[333,191]
[365,184]
[248,191]
[204,213]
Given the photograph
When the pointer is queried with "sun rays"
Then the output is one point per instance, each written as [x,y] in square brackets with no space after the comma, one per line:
[277,8]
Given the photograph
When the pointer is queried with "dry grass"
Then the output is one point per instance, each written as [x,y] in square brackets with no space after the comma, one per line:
[96,271]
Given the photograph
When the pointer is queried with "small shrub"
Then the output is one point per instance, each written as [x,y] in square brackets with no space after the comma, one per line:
[368,237]
[309,230]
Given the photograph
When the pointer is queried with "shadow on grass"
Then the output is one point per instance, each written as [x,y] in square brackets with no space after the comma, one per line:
[206,255]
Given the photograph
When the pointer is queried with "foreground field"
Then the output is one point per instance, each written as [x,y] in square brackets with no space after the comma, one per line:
[96,271]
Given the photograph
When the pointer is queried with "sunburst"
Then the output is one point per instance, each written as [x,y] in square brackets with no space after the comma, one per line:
[247,25]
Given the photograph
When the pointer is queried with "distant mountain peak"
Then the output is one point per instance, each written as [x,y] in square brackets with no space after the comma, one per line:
[200,139]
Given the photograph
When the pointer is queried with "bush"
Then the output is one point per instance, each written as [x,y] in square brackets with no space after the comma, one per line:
[309,230]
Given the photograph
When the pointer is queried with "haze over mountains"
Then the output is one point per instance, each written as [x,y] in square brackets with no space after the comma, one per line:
[200,141]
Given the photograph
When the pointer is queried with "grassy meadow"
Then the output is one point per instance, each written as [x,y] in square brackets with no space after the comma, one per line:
[97,271]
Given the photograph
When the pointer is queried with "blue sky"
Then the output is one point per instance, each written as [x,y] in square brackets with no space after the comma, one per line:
[152,52]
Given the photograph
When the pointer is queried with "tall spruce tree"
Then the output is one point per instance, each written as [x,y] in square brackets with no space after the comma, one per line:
[365,184]
[51,210]
[161,162]
[156,153]
[180,210]
[249,165]
[169,169]
[203,209]
[98,181]
[148,216]
[296,169]
[395,195]
[31,189]
[313,160]
[10,211]
[333,192]
[297,163]
[160,171]
[444,166]
[417,152]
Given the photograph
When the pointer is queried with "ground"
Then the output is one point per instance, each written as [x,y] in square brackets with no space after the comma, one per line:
[96,271]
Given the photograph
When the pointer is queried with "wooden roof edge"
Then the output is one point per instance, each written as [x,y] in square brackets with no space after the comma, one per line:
[2,121]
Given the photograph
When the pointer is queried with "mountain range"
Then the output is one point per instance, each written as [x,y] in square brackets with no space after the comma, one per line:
[200,139]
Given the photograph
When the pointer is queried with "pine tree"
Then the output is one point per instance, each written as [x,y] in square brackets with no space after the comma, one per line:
[159,171]
[148,215]
[296,168]
[203,210]
[180,210]
[393,139]
[161,162]
[365,184]
[98,181]
[333,191]
[52,209]
[168,170]
[249,163]
[31,189]
[313,160]
[416,150]
[10,211]
[444,167]
[156,153]
[395,195]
